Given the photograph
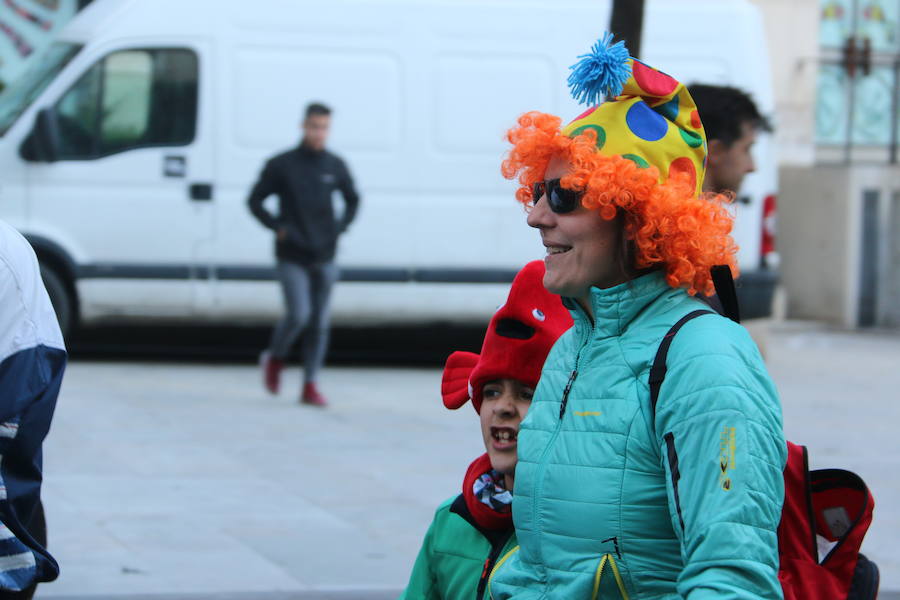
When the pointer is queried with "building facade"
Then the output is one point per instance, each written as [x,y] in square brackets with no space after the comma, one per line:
[836,65]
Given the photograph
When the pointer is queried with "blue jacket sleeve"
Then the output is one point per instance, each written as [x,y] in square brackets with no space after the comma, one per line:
[719,429]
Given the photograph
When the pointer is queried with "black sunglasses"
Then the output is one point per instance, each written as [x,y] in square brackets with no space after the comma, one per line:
[559,199]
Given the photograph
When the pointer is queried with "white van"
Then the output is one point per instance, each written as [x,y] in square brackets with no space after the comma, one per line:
[129,147]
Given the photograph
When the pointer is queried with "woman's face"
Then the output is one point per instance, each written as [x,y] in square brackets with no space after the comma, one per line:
[503,406]
[581,245]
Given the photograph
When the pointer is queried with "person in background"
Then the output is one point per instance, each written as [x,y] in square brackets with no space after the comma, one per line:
[731,122]
[32,362]
[471,530]
[618,495]
[306,234]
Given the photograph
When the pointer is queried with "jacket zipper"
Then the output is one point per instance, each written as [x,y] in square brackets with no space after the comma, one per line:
[497,566]
[565,398]
[598,576]
[574,374]
[562,409]
[488,568]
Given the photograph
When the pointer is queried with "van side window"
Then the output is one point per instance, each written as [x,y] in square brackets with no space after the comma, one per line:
[77,116]
[130,99]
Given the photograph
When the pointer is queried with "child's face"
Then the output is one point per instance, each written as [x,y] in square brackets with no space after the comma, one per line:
[503,406]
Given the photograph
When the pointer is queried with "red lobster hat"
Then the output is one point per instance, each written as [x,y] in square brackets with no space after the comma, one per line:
[516,344]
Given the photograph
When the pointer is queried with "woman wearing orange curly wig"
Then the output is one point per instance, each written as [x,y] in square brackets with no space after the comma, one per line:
[621,492]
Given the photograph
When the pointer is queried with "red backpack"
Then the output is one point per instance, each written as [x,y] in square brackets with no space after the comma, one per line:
[825,516]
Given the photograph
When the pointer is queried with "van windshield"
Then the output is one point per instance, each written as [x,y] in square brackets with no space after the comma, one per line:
[29,85]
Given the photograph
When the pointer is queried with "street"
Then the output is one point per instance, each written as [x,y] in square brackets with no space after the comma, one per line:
[175,479]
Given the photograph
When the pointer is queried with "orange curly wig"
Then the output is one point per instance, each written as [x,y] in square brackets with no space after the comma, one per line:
[668,224]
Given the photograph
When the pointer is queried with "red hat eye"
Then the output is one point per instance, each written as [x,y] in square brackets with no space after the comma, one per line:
[538,314]
[513,328]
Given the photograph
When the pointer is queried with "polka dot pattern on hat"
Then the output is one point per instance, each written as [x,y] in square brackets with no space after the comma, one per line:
[684,164]
[637,160]
[601,133]
[670,109]
[695,120]
[652,122]
[693,139]
[646,123]
[651,81]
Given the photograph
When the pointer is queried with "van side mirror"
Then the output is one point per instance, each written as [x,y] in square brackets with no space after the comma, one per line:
[42,144]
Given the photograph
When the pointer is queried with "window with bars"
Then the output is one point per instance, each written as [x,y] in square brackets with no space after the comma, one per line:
[858,95]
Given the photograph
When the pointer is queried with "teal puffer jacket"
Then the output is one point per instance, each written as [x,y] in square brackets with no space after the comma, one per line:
[614,501]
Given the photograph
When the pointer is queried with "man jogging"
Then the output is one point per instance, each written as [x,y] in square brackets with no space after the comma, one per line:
[306,232]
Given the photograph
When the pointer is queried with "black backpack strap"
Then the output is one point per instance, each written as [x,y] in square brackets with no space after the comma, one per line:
[725,290]
[658,369]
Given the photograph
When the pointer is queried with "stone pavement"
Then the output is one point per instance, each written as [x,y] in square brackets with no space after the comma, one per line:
[174,481]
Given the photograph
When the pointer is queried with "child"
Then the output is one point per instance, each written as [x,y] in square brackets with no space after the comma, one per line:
[471,531]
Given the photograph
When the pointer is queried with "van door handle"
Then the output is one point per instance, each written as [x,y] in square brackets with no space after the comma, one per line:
[201,192]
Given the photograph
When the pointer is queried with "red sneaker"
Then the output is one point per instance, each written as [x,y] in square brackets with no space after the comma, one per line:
[312,395]
[271,368]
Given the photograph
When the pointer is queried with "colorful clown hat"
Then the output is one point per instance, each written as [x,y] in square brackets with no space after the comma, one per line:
[648,117]
[639,153]
[516,344]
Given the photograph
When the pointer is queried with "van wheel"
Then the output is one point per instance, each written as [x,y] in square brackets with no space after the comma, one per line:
[61,299]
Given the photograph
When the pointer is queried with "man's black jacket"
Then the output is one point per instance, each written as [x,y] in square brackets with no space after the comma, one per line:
[304,181]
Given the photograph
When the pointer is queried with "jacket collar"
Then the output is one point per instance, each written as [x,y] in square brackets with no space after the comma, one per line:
[308,152]
[616,307]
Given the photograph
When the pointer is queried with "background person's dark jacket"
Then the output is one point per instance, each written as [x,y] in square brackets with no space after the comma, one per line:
[304,181]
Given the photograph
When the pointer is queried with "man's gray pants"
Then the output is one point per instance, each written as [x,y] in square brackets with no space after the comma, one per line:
[307,290]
